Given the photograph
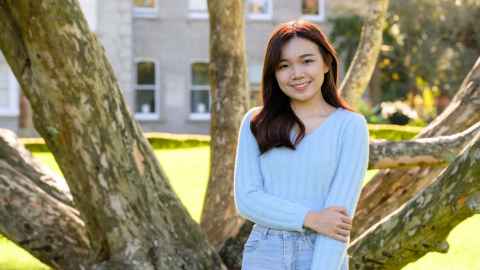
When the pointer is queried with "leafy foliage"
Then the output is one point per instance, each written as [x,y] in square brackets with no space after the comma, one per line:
[428,45]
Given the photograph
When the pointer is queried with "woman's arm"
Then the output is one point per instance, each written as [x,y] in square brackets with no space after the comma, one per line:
[251,200]
[344,190]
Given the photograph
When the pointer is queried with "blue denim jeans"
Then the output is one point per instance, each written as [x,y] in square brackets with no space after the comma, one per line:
[267,249]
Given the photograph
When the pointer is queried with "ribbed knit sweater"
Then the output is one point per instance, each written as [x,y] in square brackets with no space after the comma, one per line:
[278,188]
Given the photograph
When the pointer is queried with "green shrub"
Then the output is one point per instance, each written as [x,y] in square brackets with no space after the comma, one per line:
[157,140]
[175,141]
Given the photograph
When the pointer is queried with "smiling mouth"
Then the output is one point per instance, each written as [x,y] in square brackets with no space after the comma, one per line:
[300,86]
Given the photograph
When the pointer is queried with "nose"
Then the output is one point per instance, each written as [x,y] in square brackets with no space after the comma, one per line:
[297,72]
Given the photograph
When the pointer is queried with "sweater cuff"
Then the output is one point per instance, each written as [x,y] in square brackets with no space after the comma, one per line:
[302,216]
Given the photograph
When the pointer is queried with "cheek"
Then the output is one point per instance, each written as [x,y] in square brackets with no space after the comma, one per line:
[282,79]
[320,76]
[321,80]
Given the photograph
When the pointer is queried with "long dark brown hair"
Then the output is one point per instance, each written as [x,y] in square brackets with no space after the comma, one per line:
[273,124]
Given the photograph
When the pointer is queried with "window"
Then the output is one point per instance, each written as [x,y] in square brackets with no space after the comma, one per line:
[200,99]
[259,9]
[145,8]
[89,9]
[9,92]
[313,10]
[146,90]
[198,9]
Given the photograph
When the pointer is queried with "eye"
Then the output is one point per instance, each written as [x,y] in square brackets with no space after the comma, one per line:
[282,66]
[307,61]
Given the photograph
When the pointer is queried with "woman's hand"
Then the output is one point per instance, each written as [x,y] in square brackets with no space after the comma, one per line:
[332,222]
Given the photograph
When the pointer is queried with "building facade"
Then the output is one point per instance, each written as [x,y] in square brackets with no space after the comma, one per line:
[159,52]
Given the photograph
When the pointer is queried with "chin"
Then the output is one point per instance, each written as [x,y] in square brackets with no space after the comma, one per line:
[301,100]
[300,97]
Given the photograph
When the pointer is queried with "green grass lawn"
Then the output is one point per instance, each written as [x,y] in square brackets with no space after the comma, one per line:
[189,182]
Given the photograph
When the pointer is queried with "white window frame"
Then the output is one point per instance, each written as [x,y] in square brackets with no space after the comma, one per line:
[318,18]
[260,17]
[13,96]
[156,114]
[198,116]
[90,11]
[146,12]
[194,14]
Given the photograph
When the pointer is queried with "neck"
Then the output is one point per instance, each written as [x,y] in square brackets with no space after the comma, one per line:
[311,108]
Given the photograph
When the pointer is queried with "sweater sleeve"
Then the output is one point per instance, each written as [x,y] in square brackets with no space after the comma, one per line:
[330,254]
[251,200]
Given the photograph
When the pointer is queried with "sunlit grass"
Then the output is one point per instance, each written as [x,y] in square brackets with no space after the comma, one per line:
[187,169]
[15,258]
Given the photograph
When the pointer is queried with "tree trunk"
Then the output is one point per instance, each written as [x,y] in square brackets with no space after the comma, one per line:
[133,218]
[363,63]
[391,188]
[375,87]
[229,88]
[423,223]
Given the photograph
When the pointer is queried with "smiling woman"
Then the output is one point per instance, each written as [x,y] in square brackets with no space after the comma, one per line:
[301,195]
[299,84]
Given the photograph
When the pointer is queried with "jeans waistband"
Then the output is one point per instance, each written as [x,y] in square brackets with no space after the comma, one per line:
[270,231]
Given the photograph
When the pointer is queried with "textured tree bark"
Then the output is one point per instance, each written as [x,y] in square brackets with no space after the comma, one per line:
[36,209]
[391,188]
[231,251]
[375,87]
[438,151]
[15,154]
[424,222]
[363,63]
[133,218]
[229,88]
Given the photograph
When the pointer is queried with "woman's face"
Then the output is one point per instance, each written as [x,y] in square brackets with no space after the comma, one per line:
[301,70]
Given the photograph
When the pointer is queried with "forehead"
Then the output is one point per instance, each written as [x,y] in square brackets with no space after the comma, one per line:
[296,47]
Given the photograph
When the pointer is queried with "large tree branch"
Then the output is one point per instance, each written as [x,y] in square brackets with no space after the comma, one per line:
[389,189]
[422,224]
[363,63]
[36,213]
[436,151]
[15,154]
[463,111]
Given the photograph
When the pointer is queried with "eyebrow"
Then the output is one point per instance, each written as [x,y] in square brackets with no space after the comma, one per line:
[301,56]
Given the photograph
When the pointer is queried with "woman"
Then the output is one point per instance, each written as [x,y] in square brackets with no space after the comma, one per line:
[301,158]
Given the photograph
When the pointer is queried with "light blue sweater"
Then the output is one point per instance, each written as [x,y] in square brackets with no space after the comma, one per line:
[278,188]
